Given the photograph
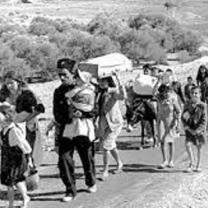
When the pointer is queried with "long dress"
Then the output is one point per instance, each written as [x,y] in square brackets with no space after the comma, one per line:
[26,102]
[14,161]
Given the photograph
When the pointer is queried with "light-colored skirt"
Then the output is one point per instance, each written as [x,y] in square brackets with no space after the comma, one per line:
[109,138]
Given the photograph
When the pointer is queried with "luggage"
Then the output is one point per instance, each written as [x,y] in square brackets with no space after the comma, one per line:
[106,65]
[144,85]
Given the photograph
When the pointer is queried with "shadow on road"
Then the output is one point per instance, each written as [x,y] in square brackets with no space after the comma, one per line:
[77,175]
[49,196]
[149,169]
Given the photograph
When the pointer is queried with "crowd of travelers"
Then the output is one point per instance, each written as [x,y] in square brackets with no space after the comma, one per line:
[86,109]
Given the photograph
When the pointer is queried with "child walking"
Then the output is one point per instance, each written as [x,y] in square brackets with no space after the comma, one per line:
[15,151]
[168,114]
[194,118]
[110,120]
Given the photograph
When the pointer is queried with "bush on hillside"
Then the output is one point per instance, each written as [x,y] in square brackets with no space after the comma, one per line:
[107,24]
[141,45]
[57,25]
[21,46]
[6,54]
[42,56]
[40,28]
[168,32]
[82,45]
[188,41]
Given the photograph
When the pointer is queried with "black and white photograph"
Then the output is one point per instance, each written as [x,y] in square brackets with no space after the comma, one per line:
[103,103]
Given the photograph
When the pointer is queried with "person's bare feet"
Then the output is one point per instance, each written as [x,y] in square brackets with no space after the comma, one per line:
[25,202]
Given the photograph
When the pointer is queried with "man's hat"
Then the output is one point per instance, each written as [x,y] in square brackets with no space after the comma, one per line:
[66,63]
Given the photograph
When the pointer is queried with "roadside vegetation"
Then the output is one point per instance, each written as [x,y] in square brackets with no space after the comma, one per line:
[142,37]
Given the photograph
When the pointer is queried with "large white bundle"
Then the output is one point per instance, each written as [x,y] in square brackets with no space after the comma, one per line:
[105,65]
[144,84]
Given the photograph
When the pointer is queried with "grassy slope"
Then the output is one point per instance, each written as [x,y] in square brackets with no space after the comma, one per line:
[192,14]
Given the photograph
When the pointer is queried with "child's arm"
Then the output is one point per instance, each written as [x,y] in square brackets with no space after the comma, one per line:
[202,121]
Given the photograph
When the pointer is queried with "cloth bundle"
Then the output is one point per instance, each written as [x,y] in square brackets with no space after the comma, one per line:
[144,84]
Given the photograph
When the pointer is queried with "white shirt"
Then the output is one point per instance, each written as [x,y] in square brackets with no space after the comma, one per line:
[17,138]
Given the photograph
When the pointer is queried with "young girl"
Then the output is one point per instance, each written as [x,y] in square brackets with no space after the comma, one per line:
[110,120]
[194,118]
[15,153]
[168,114]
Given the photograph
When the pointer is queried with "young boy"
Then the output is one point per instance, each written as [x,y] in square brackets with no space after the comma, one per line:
[194,118]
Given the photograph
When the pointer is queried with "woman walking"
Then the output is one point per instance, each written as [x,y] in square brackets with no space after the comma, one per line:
[110,120]
[15,156]
[27,106]
[201,75]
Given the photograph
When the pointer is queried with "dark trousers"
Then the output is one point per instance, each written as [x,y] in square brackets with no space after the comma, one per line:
[85,149]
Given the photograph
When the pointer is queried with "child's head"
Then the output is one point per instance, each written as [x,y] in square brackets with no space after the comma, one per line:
[195,93]
[5,120]
[7,114]
[189,80]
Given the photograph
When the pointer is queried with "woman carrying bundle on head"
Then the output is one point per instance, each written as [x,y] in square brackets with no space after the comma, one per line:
[110,119]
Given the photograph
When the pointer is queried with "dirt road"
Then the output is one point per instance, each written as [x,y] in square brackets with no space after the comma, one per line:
[141,179]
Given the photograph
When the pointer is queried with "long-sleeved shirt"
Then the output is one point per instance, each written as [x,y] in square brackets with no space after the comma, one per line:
[17,138]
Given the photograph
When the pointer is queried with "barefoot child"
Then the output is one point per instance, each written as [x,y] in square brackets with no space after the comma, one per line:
[15,151]
[168,114]
[194,119]
[110,120]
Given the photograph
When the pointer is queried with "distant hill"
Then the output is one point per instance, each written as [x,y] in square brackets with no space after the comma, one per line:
[191,13]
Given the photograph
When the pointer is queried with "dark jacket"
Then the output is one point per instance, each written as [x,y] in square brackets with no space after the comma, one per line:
[61,110]
[204,92]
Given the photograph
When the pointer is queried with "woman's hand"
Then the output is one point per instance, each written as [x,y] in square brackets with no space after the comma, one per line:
[77,114]
[30,162]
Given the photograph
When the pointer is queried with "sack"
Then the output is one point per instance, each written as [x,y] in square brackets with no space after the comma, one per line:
[32,180]
[144,85]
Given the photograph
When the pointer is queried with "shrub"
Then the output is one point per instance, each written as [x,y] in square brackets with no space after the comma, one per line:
[102,45]
[107,24]
[21,45]
[43,56]
[140,45]
[167,32]
[41,28]
[11,28]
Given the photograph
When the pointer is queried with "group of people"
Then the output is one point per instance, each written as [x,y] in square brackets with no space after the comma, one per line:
[176,107]
[86,109]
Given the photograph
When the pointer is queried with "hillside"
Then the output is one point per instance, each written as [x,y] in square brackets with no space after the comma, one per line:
[192,14]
